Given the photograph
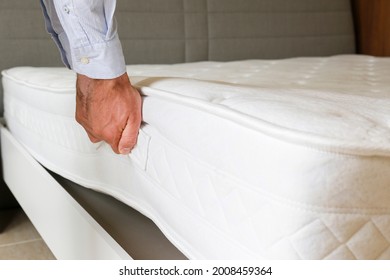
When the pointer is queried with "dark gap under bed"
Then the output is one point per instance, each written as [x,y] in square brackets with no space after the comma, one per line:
[134,232]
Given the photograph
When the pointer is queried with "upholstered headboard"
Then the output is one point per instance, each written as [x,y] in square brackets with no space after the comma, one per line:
[191,30]
[172,31]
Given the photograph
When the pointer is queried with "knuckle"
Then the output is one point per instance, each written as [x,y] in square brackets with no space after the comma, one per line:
[99,132]
[94,140]
[110,136]
[78,118]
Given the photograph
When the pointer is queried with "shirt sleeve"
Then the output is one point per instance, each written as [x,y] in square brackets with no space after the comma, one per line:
[86,35]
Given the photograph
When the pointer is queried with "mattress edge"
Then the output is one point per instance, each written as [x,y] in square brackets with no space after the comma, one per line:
[317,142]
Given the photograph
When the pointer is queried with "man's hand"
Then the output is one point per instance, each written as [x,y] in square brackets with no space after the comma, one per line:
[109,110]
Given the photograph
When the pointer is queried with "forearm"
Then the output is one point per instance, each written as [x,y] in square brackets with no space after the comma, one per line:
[107,106]
[86,34]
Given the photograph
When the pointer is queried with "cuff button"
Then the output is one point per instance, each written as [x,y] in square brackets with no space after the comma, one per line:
[84,60]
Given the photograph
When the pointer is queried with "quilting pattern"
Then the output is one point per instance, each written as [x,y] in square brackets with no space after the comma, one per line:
[238,191]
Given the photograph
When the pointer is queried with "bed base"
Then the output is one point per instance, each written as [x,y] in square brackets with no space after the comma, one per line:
[77,223]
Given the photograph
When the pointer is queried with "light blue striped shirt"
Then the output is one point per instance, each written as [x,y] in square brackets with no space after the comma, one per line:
[85,32]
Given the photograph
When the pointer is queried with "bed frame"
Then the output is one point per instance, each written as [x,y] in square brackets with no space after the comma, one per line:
[77,223]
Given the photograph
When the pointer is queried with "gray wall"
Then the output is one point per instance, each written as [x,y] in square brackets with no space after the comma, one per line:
[169,31]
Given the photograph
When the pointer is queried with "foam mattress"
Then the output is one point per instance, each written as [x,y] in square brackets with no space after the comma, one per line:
[275,159]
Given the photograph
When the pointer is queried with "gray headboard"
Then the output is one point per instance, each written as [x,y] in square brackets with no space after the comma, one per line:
[172,31]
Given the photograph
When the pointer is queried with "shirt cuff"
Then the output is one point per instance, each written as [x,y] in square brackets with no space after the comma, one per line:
[100,61]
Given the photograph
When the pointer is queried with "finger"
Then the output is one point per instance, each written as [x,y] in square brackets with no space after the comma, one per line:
[111,136]
[92,138]
[113,142]
[129,137]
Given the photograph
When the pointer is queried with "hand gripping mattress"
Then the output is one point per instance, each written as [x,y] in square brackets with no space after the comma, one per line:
[276,159]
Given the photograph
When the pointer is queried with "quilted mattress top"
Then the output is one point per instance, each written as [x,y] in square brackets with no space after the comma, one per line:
[231,147]
[339,103]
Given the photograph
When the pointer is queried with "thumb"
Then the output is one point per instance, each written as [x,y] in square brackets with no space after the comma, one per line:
[129,137]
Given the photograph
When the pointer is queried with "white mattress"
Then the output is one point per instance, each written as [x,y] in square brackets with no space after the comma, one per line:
[282,159]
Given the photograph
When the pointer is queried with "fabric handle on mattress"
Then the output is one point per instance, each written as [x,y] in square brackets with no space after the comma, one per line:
[139,155]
